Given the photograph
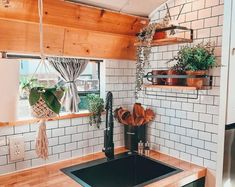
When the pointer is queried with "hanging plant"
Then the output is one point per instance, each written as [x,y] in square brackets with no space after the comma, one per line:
[145,37]
[41,97]
[95,107]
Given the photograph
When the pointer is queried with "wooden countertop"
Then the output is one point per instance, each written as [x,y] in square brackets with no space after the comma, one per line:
[51,176]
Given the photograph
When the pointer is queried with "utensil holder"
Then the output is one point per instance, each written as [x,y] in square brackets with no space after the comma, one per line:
[133,134]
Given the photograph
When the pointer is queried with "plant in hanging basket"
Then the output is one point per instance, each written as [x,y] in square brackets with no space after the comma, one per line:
[139,117]
[95,107]
[45,102]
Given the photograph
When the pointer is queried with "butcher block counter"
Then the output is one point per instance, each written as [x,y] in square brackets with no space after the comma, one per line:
[51,176]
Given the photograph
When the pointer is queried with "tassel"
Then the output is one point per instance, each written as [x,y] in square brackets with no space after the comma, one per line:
[42,141]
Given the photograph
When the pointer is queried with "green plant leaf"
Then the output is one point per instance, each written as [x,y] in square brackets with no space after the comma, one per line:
[34,96]
[51,100]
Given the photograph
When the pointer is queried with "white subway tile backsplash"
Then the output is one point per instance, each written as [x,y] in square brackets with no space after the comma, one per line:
[197,160]
[58,132]
[58,149]
[198,143]
[204,13]
[64,139]
[71,146]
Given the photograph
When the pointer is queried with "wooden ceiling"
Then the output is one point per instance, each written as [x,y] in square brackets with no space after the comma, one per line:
[70,29]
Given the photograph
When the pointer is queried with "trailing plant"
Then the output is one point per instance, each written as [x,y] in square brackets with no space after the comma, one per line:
[196,58]
[145,37]
[95,107]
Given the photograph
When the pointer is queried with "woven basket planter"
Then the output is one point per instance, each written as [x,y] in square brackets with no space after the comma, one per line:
[41,110]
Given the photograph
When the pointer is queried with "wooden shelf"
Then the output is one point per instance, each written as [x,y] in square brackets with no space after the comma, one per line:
[166,41]
[34,120]
[170,87]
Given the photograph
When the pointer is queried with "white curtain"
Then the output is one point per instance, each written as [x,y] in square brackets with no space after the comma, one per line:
[69,70]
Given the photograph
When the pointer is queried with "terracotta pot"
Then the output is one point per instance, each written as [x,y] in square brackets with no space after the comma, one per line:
[172,81]
[155,80]
[159,35]
[196,82]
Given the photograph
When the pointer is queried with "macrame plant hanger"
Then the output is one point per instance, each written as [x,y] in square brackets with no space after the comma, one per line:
[42,140]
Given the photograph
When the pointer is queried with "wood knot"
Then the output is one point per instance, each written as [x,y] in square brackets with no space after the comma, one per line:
[102,13]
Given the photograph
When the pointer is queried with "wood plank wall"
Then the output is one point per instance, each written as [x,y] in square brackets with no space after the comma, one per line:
[70,30]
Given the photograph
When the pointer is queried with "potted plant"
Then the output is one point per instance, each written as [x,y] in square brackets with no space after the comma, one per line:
[95,107]
[134,124]
[196,60]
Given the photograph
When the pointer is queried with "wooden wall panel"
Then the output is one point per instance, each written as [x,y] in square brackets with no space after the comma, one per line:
[60,13]
[87,43]
[69,29]
[24,38]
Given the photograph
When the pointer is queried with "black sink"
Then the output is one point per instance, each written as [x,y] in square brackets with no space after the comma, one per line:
[123,171]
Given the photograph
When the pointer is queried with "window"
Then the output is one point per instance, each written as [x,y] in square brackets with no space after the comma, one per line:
[88,82]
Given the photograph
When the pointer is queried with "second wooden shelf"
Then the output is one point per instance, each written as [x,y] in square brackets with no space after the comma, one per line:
[170,87]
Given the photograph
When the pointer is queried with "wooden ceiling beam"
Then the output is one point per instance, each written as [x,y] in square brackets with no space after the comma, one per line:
[70,15]
[19,37]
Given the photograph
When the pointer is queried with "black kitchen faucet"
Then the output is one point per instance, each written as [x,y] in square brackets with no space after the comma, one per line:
[108,132]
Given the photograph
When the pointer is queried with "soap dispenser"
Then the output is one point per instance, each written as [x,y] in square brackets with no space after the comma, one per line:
[147,149]
[140,147]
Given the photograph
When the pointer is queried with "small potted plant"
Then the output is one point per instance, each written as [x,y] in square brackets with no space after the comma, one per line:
[95,107]
[196,60]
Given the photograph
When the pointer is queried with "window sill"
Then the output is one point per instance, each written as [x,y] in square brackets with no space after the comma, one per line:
[34,120]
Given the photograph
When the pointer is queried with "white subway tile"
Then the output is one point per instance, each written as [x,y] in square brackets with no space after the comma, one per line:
[70,130]
[6,130]
[211,146]
[3,160]
[204,13]
[65,123]
[58,132]
[192,133]
[210,3]
[186,123]
[64,139]
[207,118]
[71,146]
[192,115]
[198,143]
[197,160]
[21,129]
[199,125]
[200,108]
[191,150]
[58,149]
[7,168]
[204,153]
[186,140]
[50,125]
[210,164]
